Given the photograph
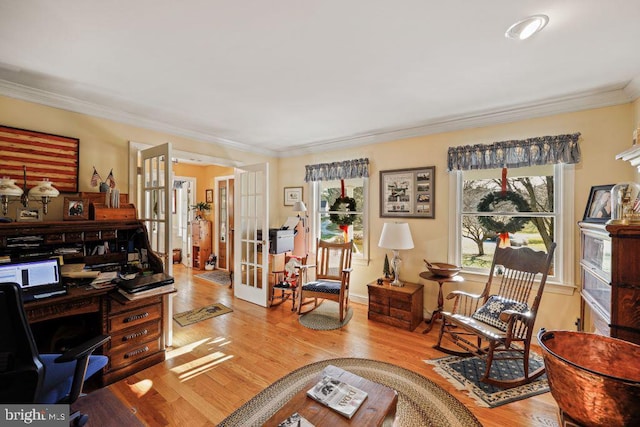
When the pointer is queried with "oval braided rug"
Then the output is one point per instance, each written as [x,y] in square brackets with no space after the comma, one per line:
[421,402]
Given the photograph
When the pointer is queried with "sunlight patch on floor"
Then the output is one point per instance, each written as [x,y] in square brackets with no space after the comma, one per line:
[190,347]
[141,387]
[190,370]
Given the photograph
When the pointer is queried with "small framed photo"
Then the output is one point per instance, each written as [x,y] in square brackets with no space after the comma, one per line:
[29,214]
[408,193]
[599,204]
[208,195]
[75,209]
[292,195]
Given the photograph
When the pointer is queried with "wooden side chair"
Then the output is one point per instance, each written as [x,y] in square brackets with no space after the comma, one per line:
[288,281]
[332,274]
[488,325]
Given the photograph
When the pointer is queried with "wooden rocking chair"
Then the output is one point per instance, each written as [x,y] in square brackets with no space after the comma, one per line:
[333,271]
[488,324]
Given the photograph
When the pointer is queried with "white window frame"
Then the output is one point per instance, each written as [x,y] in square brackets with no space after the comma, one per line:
[314,219]
[564,180]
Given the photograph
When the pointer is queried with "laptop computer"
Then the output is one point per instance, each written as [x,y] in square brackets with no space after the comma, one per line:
[38,279]
[144,283]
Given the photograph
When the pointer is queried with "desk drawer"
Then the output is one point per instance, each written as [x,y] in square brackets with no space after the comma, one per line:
[91,236]
[400,314]
[134,317]
[378,299]
[378,308]
[134,336]
[128,355]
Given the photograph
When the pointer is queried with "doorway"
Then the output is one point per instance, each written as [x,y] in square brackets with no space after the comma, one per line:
[182,193]
[224,222]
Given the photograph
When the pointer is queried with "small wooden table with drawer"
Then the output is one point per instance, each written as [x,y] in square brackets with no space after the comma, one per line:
[399,306]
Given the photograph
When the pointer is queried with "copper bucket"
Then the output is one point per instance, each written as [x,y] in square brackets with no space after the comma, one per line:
[594,379]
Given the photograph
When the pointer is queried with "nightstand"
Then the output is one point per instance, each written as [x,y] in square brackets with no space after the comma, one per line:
[396,306]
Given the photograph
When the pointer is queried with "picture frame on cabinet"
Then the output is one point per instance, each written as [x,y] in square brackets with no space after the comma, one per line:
[598,208]
[29,214]
[75,209]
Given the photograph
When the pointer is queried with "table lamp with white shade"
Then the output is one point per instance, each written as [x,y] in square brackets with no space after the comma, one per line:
[396,236]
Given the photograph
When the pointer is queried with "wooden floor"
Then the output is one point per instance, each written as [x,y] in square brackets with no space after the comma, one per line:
[216,365]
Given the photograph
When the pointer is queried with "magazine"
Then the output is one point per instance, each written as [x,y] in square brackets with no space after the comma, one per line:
[337,395]
[296,420]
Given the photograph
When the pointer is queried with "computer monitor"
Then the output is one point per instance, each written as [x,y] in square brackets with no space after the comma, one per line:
[37,278]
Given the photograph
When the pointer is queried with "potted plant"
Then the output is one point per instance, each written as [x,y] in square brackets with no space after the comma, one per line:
[201,208]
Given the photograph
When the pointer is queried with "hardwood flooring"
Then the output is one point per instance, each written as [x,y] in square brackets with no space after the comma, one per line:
[216,365]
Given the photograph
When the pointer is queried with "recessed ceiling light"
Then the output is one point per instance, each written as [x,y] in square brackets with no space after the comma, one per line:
[524,29]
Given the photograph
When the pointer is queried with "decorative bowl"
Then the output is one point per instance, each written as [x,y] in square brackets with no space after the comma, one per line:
[444,269]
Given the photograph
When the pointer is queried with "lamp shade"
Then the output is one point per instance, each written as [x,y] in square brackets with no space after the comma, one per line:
[299,206]
[396,236]
[44,189]
[8,187]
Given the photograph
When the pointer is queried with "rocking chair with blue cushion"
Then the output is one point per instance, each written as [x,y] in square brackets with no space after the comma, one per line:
[499,326]
[332,274]
[29,377]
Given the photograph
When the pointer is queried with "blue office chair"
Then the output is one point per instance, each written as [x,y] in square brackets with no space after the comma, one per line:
[29,377]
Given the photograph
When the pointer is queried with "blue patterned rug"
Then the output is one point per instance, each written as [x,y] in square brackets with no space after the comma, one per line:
[465,373]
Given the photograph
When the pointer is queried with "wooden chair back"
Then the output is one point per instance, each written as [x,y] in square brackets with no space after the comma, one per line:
[332,259]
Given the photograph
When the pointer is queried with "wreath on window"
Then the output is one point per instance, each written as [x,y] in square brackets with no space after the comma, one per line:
[343,219]
[515,224]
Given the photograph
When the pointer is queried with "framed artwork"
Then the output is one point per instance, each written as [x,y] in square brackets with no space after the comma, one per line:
[408,193]
[599,204]
[208,195]
[292,195]
[57,157]
[75,208]
[29,214]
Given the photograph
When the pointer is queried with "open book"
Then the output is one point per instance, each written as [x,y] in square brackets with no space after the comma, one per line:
[338,395]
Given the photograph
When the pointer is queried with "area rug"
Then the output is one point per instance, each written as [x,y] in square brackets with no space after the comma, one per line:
[192,316]
[105,410]
[325,317]
[421,402]
[219,277]
[465,373]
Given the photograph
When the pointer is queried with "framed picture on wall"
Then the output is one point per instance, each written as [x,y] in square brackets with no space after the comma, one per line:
[208,195]
[408,193]
[292,195]
[599,204]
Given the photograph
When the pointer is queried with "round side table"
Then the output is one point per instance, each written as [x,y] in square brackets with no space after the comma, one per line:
[427,275]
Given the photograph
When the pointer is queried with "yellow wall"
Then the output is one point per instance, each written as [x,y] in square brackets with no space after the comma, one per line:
[104,143]
[205,179]
[605,132]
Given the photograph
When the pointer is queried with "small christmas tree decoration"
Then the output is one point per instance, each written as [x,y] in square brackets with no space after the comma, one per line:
[386,270]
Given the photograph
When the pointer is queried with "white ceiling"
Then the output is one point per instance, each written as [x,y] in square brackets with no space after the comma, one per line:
[286,77]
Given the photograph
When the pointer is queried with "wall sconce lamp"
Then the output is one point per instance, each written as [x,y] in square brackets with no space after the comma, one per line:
[43,191]
[396,236]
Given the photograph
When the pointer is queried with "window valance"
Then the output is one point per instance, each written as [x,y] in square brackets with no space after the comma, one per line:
[358,168]
[514,154]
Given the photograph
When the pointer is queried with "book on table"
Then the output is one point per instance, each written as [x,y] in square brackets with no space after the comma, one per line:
[296,420]
[338,395]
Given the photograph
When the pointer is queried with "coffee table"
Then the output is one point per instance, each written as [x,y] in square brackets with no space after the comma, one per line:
[378,407]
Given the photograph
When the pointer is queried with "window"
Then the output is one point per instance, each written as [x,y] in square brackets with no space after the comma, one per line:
[325,195]
[532,212]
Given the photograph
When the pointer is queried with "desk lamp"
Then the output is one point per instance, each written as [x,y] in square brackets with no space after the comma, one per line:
[396,236]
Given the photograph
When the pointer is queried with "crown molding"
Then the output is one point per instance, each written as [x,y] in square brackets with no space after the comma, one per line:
[597,98]
[38,96]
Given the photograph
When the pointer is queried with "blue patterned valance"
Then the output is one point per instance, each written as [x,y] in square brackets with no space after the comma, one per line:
[542,150]
[347,169]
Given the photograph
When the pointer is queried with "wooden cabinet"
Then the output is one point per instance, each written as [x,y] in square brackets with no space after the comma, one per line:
[136,335]
[610,274]
[201,242]
[396,306]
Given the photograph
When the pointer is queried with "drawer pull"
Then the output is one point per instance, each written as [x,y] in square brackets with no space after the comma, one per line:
[136,352]
[136,317]
[135,335]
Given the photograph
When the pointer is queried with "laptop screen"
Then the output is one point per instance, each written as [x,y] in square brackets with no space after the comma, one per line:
[38,279]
